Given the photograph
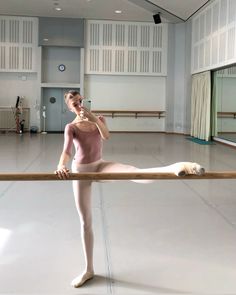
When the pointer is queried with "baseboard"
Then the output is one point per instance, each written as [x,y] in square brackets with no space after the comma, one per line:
[225,142]
[162,132]
[137,132]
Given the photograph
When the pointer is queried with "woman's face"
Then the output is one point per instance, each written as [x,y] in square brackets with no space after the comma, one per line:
[74,103]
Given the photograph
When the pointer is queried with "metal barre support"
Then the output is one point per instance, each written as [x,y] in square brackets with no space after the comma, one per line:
[114,176]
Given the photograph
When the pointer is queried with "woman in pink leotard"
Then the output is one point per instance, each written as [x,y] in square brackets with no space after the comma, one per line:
[86,132]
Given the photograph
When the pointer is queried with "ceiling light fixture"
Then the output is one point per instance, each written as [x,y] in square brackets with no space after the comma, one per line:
[58,8]
[118,11]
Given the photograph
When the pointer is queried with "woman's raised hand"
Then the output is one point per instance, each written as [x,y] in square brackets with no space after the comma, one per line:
[86,113]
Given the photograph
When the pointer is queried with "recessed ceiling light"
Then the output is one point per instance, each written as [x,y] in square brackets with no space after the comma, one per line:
[58,8]
[45,39]
[118,11]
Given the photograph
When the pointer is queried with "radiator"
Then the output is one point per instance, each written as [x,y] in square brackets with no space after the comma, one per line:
[8,121]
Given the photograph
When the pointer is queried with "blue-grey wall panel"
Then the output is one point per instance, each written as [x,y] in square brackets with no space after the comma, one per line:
[61,32]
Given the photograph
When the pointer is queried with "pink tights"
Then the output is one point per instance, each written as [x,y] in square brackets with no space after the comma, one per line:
[82,194]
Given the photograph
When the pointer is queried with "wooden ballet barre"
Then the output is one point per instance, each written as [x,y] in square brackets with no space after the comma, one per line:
[114,176]
[125,113]
[226,115]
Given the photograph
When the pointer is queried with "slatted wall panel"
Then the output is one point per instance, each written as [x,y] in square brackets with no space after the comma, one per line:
[126,48]
[120,35]
[13,62]
[27,32]
[2,46]
[27,58]
[132,35]
[18,43]
[132,49]
[214,36]
[119,61]
[93,60]
[107,60]
[2,30]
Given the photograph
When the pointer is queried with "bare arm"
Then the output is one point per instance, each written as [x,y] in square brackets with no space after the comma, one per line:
[102,127]
[101,124]
[62,171]
[64,159]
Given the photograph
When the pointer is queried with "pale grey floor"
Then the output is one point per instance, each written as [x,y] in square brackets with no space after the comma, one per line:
[170,237]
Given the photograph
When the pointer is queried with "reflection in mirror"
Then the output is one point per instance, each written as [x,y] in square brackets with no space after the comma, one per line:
[224,96]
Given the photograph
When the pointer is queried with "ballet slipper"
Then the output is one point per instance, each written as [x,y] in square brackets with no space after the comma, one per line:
[80,280]
[185,168]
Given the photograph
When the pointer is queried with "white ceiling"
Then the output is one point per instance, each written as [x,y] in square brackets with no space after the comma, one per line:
[132,10]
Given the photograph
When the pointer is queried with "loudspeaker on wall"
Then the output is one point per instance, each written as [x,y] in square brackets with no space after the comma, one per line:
[157,18]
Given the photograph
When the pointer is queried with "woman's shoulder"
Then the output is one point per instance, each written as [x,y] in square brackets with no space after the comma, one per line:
[69,127]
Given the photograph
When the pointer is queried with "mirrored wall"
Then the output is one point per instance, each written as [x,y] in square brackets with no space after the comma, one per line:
[224,98]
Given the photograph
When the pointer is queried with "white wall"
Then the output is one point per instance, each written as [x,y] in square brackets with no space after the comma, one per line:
[214,36]
[170,94]
[179,85]
[170,80]
[20,84]
[188,77]
[109,92]
[178,92]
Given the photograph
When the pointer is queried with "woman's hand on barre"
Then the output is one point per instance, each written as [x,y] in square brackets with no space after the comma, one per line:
[62,172]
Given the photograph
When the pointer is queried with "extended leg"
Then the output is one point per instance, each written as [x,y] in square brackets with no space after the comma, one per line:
[180,169]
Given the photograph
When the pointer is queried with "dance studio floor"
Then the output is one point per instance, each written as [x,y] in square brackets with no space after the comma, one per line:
[168,237]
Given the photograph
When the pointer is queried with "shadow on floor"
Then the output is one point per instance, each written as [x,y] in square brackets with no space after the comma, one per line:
[100,280]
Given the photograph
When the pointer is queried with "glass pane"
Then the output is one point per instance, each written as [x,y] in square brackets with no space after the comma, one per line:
[225,98]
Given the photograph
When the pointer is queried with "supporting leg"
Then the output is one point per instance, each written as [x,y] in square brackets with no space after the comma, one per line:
[82,193]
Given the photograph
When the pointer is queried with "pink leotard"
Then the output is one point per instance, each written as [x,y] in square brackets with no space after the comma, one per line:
[88,144]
